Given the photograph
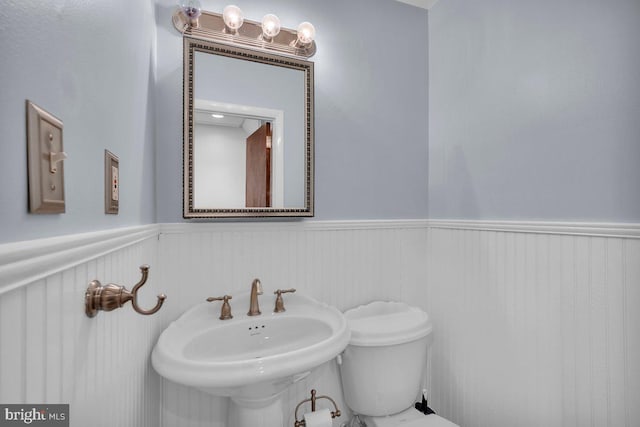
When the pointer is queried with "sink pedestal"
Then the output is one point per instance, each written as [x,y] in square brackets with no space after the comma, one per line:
[265,412]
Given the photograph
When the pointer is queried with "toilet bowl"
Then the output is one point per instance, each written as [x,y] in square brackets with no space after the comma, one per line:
[382,368]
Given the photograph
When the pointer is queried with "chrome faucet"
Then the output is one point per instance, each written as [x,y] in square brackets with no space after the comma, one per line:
[256,289]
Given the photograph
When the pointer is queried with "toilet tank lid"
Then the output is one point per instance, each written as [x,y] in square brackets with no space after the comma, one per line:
[382,323]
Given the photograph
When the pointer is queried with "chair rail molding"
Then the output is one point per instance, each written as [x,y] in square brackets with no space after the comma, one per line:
[593,229]
[22,263]
[177,228]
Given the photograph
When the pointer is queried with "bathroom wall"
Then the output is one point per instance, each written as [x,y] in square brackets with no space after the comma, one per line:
[51,352]
[533,116]
[93,64]
[534,110]
[536,324]
[526,315]
[370,106]
[341,263]
[90,63]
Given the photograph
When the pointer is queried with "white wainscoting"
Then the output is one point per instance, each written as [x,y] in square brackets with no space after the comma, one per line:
[535,324]
[50,352]
[341,263]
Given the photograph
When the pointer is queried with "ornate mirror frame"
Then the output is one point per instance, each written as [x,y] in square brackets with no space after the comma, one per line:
[193,45]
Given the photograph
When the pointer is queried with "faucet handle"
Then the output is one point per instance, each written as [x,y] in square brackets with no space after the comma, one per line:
[279,302]
[225,312]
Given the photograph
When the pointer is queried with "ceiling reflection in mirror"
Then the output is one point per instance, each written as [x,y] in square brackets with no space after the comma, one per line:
[248,143]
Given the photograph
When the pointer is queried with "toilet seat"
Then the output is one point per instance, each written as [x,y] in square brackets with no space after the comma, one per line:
[408,418]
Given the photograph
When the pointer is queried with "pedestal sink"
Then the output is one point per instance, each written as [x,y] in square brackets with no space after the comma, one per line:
[251,359]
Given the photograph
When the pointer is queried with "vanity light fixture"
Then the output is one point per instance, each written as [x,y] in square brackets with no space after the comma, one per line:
[230,27]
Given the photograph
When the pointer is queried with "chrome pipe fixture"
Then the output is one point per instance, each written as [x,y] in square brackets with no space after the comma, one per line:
[230,27]
[109,297]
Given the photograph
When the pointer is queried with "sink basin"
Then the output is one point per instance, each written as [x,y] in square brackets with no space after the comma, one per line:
[250,357]
[248,340]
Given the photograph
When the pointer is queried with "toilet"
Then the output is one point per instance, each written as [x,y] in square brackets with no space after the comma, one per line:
[383,366]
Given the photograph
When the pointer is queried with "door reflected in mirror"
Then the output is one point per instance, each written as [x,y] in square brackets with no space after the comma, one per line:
[238,158]
[248,143]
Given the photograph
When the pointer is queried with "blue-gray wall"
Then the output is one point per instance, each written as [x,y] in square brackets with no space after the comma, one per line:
[370,105]
[91,64]
[534,110]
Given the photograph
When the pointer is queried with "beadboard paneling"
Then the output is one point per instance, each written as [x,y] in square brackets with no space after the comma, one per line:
[534,324]
[341,263]
[50,352]
[535,328]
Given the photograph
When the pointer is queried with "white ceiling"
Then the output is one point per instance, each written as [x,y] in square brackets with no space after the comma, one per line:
[425,4]
[204,117]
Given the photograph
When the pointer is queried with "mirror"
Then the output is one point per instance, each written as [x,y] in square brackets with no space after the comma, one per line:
[248,132]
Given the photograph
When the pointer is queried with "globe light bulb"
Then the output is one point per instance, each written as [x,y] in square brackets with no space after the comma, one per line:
[191,8]
[270,26]
[233,17]
[306,33]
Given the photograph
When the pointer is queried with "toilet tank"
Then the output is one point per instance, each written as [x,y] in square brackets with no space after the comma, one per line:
[383,366]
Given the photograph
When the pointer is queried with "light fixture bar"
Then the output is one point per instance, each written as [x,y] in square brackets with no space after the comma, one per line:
[211,26]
